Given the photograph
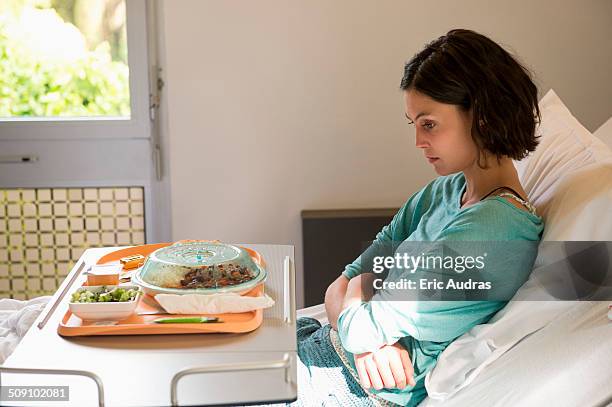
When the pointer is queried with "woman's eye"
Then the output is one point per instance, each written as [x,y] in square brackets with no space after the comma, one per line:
[429,125]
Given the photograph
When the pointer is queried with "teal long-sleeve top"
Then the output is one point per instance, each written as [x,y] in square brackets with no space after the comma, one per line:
[426,328]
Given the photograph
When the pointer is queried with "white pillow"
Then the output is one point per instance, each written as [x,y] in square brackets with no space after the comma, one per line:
[573,167]
[569,180]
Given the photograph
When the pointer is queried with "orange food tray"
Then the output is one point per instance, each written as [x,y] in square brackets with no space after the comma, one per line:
[71,325]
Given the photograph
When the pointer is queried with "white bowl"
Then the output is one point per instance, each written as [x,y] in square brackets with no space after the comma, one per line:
[98,311]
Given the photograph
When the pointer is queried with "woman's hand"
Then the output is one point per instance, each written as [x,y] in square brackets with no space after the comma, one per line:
[388,367]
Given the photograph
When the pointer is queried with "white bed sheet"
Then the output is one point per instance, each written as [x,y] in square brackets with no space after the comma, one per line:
[567,363]
[16,317]
[316,312]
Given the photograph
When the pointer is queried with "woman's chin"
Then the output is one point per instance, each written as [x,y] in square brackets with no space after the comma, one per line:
[442,171]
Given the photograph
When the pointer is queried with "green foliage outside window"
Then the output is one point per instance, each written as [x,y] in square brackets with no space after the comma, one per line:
[61,77]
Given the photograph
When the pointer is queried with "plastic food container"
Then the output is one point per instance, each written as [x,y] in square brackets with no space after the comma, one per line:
[106,274]
[97,311]
[199,268]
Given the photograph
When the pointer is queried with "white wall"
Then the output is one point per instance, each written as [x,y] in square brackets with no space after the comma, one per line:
[277,106]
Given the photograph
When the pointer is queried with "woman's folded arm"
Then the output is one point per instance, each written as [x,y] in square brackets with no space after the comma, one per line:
[334,297]
[366,326]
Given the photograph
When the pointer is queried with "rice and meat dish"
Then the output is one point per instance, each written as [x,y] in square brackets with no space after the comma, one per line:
[202,266]
[216,276]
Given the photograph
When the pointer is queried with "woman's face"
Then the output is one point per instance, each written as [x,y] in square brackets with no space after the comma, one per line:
[442,131]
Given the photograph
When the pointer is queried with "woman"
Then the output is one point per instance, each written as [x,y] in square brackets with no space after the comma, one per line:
[475,109]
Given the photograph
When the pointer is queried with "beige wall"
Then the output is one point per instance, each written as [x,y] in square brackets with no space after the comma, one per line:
[278,106]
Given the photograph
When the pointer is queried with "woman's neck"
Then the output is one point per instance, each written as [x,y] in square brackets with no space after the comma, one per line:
[480,182]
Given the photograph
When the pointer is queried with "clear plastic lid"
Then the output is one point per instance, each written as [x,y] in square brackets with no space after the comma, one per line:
[199,267]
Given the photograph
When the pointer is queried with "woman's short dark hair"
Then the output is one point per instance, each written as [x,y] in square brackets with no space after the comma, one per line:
[467,69]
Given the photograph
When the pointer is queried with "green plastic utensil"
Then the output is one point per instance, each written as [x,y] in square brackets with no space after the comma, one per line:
[187,320]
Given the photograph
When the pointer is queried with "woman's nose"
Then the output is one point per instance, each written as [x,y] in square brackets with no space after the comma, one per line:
[421,141]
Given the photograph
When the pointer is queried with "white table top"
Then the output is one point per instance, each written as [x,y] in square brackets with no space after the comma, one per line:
[137,370]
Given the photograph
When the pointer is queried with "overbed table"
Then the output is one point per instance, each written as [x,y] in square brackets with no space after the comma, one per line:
[160,370]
